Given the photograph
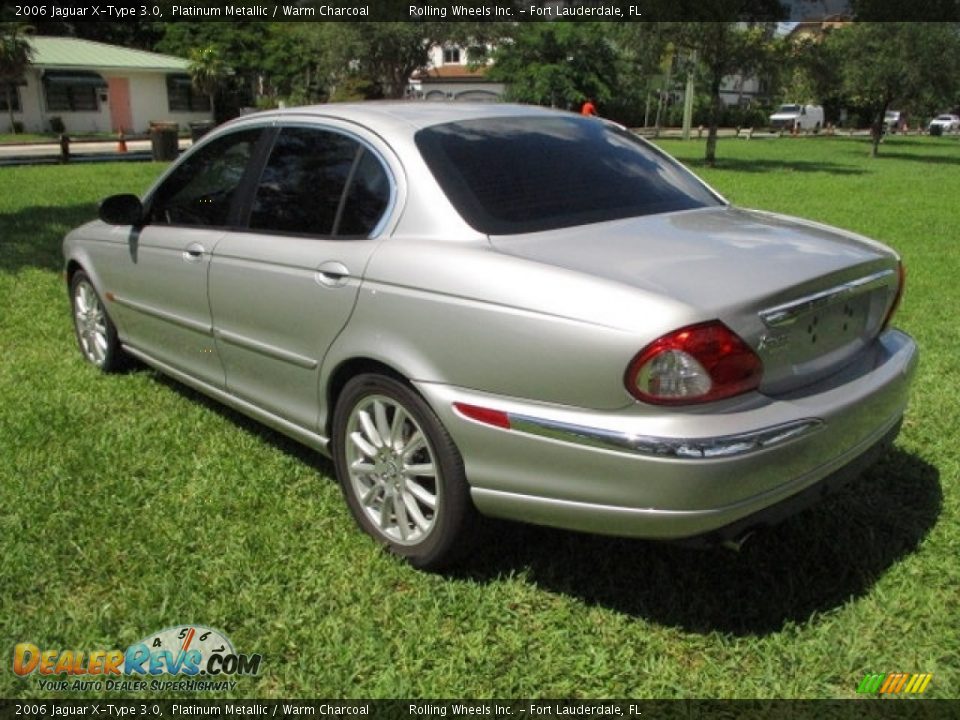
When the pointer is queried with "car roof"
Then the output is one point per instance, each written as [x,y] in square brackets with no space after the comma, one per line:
[410,114]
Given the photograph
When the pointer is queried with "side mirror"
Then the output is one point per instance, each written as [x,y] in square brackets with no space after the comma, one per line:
[121,210]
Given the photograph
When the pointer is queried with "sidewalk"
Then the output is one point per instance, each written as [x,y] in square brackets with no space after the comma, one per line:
[80,151]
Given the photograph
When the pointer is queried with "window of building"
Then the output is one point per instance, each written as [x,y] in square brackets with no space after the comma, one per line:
[182,96]
[451,56]
[72,91]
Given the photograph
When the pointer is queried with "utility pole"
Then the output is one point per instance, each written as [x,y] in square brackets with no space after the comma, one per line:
[688,96]
[664,92]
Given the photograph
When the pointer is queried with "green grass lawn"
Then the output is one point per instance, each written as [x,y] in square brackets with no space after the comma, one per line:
[129,504]
[13,139]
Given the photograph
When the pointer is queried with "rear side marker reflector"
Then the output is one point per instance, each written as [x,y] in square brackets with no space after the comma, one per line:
[497,418]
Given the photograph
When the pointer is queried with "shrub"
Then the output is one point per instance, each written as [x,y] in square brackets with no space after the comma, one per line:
[56,124]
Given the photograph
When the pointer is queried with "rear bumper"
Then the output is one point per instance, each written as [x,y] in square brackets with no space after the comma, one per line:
[800,501]
[674,473]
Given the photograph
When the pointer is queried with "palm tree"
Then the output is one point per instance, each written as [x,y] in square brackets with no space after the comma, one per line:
[208,71]
[15,55]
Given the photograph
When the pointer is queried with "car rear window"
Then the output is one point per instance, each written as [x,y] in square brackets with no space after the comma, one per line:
[527,174]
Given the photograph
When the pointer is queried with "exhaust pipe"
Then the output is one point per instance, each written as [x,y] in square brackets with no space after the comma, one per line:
[736,543]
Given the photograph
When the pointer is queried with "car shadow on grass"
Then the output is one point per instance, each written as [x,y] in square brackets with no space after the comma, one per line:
[760,165]
[810,564]
[33,237]
[274,438]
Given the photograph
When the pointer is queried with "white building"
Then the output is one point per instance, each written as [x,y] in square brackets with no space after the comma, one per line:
[94,87]
[449,77]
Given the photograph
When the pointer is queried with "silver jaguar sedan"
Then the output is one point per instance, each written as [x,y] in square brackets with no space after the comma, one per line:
[507,311]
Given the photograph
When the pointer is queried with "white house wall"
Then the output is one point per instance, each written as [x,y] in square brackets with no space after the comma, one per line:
[35,117]
[30,110]
[148,103]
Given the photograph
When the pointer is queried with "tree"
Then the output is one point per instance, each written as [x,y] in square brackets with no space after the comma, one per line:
[376,60]
[812,73]
[557,63]
[739,38]
[240,45]
[15,55]
[297,64]
[369,60]
[724,49]
[208,71]
[645,53]
[388,53]
[885,64]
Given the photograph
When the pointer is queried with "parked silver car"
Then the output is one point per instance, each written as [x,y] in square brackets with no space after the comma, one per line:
[502,309]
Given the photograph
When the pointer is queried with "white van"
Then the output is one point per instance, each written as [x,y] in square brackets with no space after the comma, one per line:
[799,117]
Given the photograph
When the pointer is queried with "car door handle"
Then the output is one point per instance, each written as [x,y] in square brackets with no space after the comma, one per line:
[193,252]
[333,274]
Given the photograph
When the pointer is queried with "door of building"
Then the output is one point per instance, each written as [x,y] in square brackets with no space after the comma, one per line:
[121,118]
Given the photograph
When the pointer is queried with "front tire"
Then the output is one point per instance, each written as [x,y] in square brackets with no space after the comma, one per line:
[95,331]
[401,473]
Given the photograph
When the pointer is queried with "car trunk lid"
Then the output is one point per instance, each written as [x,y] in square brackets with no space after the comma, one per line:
[806,297]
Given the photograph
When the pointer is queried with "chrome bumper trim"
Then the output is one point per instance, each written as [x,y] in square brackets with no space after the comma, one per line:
[724,446]
[789,312]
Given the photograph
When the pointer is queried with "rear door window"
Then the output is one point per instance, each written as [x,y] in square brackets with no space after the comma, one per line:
[322,183]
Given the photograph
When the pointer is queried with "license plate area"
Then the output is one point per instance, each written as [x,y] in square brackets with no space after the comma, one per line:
[829,327]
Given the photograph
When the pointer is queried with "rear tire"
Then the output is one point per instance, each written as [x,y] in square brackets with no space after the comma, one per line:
[401,473]
[95,331]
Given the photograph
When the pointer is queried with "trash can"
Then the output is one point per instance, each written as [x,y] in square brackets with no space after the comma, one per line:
[163,140]
[199,129]
[936,129]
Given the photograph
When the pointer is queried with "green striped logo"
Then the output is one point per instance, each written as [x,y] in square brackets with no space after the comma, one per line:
[892,683]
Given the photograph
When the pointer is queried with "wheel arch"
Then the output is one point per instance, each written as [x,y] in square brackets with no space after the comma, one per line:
[79,261]
[342,374]
[73,267]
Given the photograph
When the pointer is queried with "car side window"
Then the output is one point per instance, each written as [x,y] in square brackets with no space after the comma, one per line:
[366,199]
[318,182]
[201,189]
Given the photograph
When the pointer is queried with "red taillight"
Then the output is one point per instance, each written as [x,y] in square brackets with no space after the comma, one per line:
[695,364]
[901,280]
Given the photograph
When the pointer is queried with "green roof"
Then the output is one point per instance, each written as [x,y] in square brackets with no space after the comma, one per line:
[67,52]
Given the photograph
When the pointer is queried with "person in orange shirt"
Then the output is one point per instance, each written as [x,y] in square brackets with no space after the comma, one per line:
[588,108]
